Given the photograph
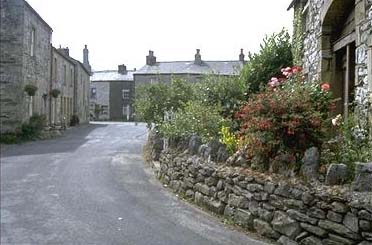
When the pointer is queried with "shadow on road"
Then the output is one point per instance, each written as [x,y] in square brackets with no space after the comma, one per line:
[72,139]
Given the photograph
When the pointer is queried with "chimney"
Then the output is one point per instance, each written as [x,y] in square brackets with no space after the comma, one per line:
[150,59]
[86,58]
[241,56]
[64,51]
[122,69]
[198,60]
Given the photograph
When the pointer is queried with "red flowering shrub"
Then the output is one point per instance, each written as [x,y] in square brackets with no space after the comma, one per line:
[289,116]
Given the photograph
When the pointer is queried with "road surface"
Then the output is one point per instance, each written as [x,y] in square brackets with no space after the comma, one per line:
[91,186]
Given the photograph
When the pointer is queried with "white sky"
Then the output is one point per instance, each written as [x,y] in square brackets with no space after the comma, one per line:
[122,31]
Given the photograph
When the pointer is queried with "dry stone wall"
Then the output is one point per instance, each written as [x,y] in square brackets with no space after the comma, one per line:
[285,210]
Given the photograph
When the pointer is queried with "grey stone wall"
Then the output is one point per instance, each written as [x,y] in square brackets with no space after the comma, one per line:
[62,107]
[116,99]
[102,99]
[82,93]
[285,210]
[311,49]
[18,68]
[318,62]
[363,56]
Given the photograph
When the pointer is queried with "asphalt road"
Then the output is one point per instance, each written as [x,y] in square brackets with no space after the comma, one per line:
[91,186]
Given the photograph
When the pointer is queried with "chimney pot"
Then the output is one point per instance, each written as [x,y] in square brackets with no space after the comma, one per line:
[241,56]
[198,60]
[86,58]
[122,69]
[150,59]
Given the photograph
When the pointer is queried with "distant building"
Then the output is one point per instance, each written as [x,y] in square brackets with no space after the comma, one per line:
[28,58]
[192,71]
[71,78]
[112,94]
[336,36]
[25,59]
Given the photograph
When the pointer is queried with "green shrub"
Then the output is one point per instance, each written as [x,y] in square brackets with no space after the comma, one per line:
[195,119]
[288,116]
[274,54]
[154,100]
[33,127]
[74,120]
[9,138]
[351,144]
[229,139]
[227,92]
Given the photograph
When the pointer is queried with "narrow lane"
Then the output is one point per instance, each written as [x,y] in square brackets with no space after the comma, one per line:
[91,186]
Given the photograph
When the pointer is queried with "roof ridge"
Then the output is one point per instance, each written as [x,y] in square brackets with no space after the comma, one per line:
[102,71]
[179,61]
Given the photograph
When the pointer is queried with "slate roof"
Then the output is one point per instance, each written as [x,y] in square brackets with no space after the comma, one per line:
[188,67]
[111,75]
[72,60]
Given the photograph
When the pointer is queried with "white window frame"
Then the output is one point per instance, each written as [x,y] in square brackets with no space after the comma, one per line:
[125,94]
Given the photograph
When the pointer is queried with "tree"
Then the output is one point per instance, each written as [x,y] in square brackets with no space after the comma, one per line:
[275,53]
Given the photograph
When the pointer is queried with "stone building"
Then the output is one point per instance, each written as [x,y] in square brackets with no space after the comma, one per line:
[82,88]
[333,42]
[71,78]
[28,58]
[25,59]
[112,94]
[192,71]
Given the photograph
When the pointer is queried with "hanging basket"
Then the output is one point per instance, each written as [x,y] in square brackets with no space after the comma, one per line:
[55,92]
[30,90]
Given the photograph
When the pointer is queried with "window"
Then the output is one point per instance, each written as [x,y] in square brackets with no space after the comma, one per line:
[32,43]
[55,70]
[93,93]
[64,74]
[125,94]
[71,77]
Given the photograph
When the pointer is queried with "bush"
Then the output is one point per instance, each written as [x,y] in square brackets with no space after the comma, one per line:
[9,138]
[227,92]
[274,54]
[154,100]
[287,117]
[229,140]
[32,129]
[352,143]
[74,120]
[195,119]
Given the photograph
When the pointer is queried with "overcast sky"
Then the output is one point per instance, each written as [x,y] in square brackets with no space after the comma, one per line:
[123,31]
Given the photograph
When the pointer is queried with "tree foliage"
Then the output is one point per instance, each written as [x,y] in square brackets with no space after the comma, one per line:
[275,53]
[195,118]
[154,100]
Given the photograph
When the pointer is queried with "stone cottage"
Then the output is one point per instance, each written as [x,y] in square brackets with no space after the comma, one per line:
[192,71]
[25,59]
[112,94]
[82,87]
[333,42]
[71,78]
